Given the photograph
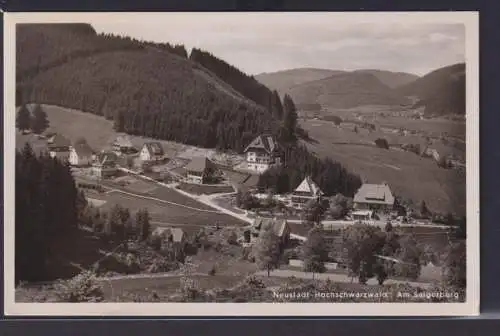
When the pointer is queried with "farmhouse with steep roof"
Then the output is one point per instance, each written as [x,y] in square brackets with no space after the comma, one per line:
[152,151]
[306,191]
[80,155]
[200,169]
[262,153]
[59,147]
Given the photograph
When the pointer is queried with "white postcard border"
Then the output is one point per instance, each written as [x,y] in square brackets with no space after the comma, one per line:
[470,307]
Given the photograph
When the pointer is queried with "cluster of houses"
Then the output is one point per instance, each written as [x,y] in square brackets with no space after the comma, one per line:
[104,163]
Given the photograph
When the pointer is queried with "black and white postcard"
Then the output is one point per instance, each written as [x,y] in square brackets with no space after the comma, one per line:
[241,164]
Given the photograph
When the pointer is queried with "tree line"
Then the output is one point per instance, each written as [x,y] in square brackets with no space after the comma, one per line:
[47,210]
[331,177]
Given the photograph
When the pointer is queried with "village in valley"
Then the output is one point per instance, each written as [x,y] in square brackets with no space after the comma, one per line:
[157,220]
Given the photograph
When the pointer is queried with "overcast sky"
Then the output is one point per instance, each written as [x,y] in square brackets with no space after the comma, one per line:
[266,42]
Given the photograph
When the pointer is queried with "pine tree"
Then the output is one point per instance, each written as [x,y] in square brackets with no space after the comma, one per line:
[276,106]
[23,118]
[314,252]
[267,249]
[40,121]
[289,119]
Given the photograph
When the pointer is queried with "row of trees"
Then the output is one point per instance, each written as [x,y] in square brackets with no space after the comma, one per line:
[37,121]
[117,224]
[367,251]
[330,176]
[47,210]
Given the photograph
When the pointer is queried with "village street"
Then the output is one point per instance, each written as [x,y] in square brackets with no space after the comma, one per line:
[335,277]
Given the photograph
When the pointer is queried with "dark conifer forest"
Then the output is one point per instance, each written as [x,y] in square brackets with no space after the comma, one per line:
[156,90]
[47,204]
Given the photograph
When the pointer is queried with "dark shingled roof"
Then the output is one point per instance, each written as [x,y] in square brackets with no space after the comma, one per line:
[199,164]
[58,140]
[265,142]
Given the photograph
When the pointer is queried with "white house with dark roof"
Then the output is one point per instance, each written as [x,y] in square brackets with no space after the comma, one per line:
[262,153]
[306,191]
[152,151]
[374,197]
[59,147]
[80,155]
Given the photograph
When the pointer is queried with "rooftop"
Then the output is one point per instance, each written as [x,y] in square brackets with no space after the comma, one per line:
[279,225]
[374,193]
[308,186]
[265,142]
[199,164]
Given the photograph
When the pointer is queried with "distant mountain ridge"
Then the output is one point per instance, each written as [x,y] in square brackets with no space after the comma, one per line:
[347,90]
[282,81]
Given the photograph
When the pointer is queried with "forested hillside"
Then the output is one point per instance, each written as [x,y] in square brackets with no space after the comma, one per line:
[441,91]
[146,88]
[47,210]
[246,85]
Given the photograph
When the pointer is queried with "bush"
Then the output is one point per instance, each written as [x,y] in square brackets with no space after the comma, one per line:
[81,288]
[212,271]
[382,143]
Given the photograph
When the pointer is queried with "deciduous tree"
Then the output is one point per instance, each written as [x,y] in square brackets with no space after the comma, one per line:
[314,252]
[267,249]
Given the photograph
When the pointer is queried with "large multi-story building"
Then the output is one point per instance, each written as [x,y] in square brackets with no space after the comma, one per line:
[262,153]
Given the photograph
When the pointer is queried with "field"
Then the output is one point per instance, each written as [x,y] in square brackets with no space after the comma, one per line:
[198,189]
[75,124]
[409,175]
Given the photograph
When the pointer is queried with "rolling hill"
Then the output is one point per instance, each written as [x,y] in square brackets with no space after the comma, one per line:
[441,92]
[145,88]
[347,90]
[282,81]
[389,78]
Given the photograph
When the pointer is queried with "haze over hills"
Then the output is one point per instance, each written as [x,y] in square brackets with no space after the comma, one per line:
[347,90]
[441,92]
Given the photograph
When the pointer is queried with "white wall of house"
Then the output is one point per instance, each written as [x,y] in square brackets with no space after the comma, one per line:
[260,162]
[145,155]
[76,160]
[195,178]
